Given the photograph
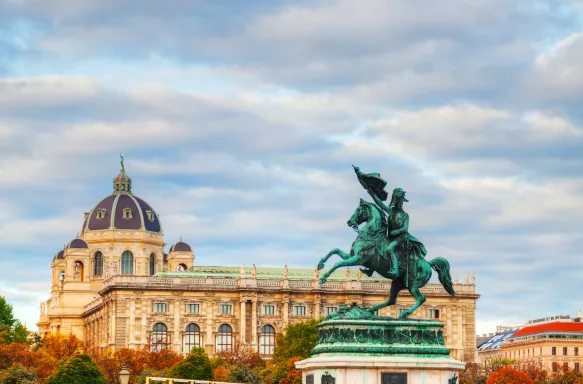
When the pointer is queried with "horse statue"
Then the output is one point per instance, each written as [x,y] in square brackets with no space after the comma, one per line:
[371,250]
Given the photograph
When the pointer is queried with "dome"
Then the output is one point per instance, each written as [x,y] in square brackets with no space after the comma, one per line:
[77,243]
[181,247]
[122,210]
[60,255]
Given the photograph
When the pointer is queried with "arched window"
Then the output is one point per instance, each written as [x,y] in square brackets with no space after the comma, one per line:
[127,263]
[191,338]
[98,264]
[159,340]
[152,264]
[79,270]
[181,268]
[267,340]
[224,338]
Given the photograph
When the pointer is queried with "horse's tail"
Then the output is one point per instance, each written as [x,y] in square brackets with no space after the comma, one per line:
[441,266]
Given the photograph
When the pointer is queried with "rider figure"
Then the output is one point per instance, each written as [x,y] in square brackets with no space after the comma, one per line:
[398,224]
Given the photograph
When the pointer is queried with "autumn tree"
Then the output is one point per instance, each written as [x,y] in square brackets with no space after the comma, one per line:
[508,375]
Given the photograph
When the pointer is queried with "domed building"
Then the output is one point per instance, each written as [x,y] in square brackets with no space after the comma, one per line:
[114,286]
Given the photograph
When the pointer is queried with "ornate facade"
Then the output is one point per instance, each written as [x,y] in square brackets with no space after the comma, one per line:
[114,287]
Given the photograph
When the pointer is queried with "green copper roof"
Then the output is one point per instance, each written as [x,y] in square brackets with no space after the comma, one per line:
[262,273]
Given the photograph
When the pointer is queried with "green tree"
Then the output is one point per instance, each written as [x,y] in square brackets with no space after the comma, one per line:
[80,369]
[243,374]
[297,341]
[196,366]
[17,374]
[6,314]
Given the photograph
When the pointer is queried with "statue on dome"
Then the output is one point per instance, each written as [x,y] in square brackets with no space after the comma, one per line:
[121,161]
[384,245]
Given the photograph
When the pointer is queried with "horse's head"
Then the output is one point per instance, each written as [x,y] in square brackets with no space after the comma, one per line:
[361,214]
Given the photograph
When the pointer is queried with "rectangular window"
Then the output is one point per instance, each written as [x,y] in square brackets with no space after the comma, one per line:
[565,367]
[576,351]
[299,310]
[564,351]
[554,352]
[226,309]
[192,308]
[433,313]
[100,214]
[555,366]
[151,216]
[269,310]
[127,213]
[330,310]
[159,307]
[577,367]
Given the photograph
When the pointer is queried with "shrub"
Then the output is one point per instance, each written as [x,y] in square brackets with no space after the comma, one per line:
[17,374]
[243,374]
[509,375]
[80,369]
[196,366]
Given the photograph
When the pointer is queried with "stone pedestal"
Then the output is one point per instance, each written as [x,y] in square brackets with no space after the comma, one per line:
[379,370]
[356,347]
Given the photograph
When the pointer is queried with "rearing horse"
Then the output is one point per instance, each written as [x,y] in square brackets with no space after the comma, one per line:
[369,250]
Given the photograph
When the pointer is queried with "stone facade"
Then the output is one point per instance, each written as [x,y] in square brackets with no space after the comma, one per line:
[553,345]
[114,287]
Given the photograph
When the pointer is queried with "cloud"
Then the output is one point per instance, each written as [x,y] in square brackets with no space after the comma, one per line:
[239,124]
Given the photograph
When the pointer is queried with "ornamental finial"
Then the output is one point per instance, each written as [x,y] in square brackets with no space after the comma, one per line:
[121,161]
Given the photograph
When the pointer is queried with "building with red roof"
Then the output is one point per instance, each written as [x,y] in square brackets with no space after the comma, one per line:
[556,343]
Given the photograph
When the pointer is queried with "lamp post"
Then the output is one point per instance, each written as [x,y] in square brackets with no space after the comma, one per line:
[124,375]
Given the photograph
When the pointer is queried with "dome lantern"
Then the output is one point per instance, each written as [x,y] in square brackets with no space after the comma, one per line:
[122,182]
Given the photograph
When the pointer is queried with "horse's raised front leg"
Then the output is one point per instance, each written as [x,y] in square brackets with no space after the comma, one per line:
[353,260]
[335,251]
[420,300]
[396,286]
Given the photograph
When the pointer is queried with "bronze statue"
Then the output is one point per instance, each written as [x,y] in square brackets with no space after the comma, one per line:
[384,245]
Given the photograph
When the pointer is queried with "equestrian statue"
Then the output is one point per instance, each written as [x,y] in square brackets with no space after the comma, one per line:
[385,246]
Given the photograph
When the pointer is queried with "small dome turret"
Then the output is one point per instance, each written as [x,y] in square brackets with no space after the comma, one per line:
[60,255]
[77,243]
[181,246]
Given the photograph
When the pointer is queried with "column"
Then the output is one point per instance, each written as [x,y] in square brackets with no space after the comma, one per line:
[209,342]
[243,323]
[132,323]
[316,313]
[254,323]
[144,315]
[177,341]
[285,310]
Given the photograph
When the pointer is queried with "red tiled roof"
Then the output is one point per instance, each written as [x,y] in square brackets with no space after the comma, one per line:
[556,326]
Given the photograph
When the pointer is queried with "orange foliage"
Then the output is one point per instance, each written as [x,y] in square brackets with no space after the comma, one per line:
[61,346]
[15,353]
[294,375]
[509,375]
[221,373]
[242,355]
[135,361]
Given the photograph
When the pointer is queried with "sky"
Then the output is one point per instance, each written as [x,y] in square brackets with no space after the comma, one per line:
[239,122]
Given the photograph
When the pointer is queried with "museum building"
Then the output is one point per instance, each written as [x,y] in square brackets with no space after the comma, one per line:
[114,286]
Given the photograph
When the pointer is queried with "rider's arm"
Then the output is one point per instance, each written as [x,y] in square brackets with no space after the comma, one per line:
[379,202]
[401,230]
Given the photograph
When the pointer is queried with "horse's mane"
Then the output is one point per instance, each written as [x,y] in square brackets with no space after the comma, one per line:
[379,212]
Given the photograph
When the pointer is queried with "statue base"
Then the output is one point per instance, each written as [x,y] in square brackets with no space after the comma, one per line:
[355,346]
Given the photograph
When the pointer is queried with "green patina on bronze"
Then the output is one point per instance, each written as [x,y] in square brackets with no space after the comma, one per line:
[385,246]
[357,331]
